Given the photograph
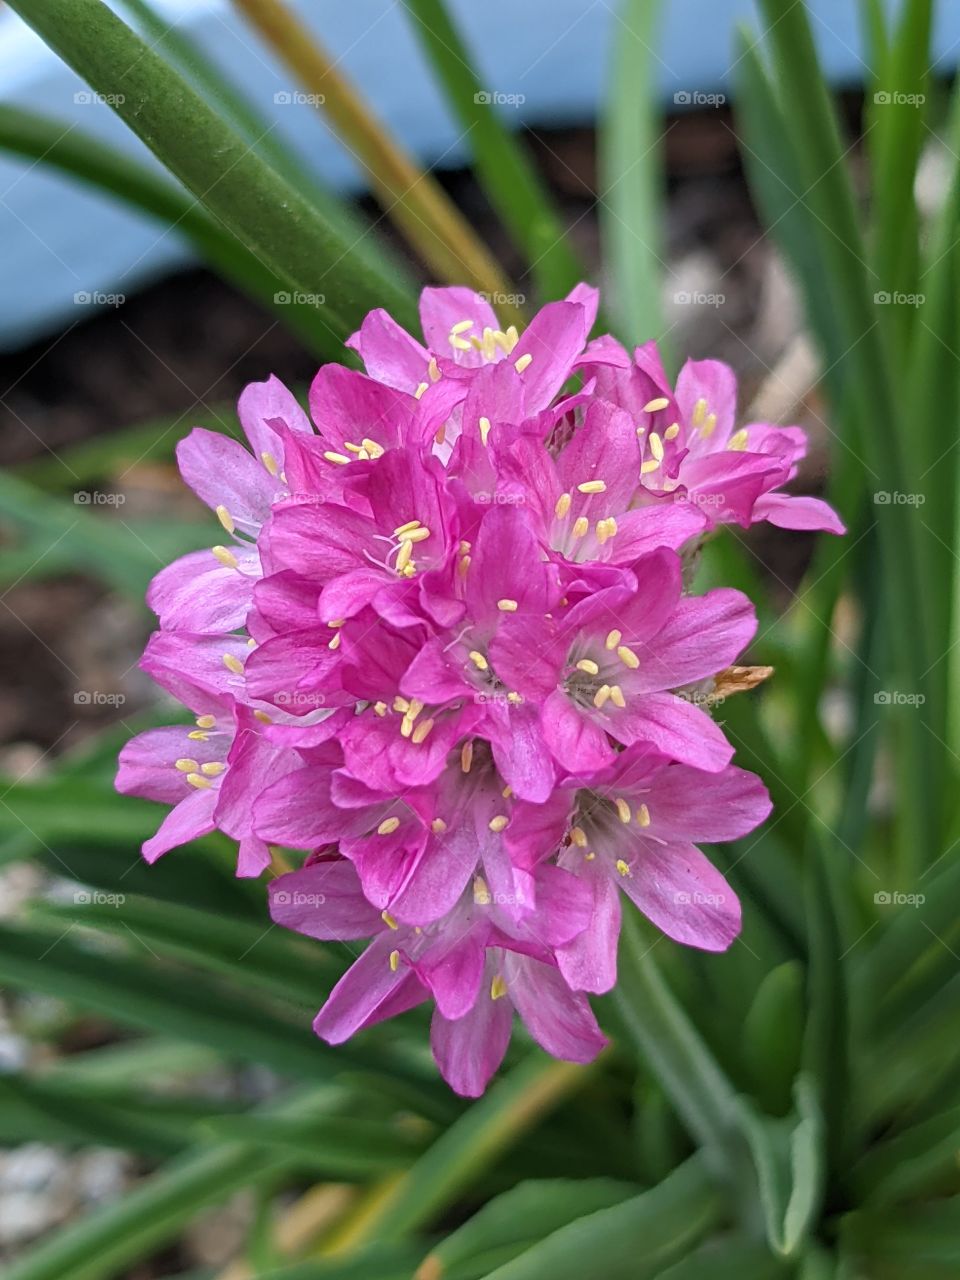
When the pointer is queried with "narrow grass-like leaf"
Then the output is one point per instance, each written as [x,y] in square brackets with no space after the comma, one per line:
[631,205]
[234,184]
[503,166]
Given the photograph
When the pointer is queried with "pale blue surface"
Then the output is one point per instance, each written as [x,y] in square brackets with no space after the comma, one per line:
[58,239]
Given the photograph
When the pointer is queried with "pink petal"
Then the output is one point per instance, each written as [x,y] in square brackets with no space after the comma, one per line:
[677,888]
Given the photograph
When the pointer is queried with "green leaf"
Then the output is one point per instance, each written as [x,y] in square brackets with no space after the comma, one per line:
[681,1061]
[632,1240]
[503,166]
[773,1034]
[52,144]
[108,1240]
[920,1161]
[789,1156]
[516,1220]
[727,1258]
[631,203]
[233,183]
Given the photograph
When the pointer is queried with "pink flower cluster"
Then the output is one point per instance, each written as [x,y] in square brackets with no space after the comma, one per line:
[447,648]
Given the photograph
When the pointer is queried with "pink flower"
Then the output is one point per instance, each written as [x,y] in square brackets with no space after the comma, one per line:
[448,649]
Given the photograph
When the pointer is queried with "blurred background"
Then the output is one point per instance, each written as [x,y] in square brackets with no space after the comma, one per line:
[116,338]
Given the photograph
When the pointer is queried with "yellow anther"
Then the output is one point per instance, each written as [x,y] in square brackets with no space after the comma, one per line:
[481,892]
[422,730]
[463,564]
[206,722]
[406,726]
[375,450]
[461,327]
[579,837]
[672,431]
[709,426]
[404,556]
[484,424]
[699,412]
[616,696]
[186,765]
[601,697]
[415,535]
[336,622]
[441,433]
[199,781]
[612,640]
[478,660]
[421,388]
[405,528]
[580,526]
[654,406]
[340,458]
[499,823]
[466,756]
[622,867]
[233,664]
[628,657]
[388,826]
[400,704]
[460,344]
[388,920]
[438,826]
[433,370]
[226,557]
[212,768]
[512,337]
[606,529]
[394,961]
[263,717]
[380,709]
[198,735]
[498,988]
[335,642]
[592,486]
[353,448]
[589,666]
[643,816]
[656,446]
[270,462]
[651,464]
[507,606]
[738,441]
[563,506]
[225,518]
[514,697]
[523,362]
[414,708]
[507,792]
[623,809]
[589,857]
